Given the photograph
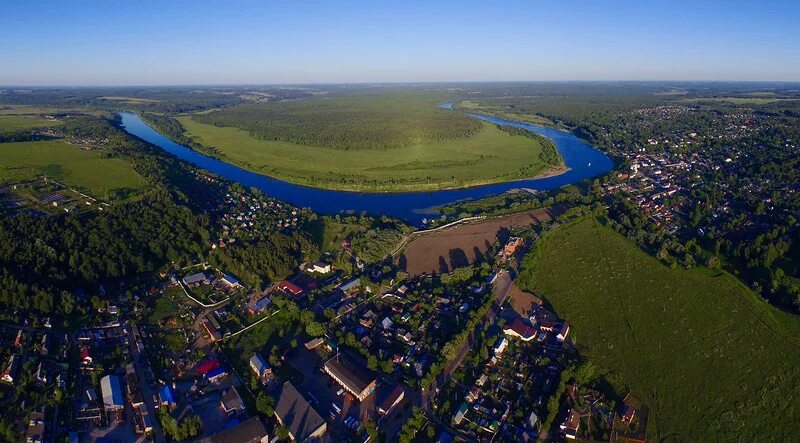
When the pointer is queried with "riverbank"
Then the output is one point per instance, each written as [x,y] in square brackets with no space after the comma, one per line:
[582,162]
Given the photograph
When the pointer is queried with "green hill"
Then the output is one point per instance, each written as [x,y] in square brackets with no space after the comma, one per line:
[713,362]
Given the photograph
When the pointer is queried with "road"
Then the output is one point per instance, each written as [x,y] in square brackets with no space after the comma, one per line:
[499,293]
[147,391]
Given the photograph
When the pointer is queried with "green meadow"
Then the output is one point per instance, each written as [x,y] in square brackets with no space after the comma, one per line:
[712,361]
[372,143]
[89,171]
[17,122]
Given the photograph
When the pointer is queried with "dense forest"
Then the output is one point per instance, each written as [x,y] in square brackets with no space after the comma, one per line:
[380,121]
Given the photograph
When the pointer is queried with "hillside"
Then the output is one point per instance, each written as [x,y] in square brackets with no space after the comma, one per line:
[712,361]
[379,143]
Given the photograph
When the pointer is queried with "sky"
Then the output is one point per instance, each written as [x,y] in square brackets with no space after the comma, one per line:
[175,42]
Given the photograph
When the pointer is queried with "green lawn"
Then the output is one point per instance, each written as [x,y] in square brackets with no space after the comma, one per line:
[491,155]
[713,362]
[13,122]
[89,171]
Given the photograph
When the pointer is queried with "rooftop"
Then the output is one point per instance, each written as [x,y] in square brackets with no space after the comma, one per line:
[295,413]
[350,373]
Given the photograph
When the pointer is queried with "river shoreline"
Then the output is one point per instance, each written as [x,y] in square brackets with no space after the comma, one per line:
[581,161]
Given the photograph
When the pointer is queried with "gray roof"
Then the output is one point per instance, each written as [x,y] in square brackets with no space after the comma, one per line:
[112,392]
[248,431]
[295,413]
[195,278]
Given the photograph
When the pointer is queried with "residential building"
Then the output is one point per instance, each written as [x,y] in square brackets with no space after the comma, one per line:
[352,376]
[111,390]
[231,402]
[260,367]
[295,413]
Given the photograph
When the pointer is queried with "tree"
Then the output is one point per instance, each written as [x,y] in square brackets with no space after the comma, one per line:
[315,329]
[265,404]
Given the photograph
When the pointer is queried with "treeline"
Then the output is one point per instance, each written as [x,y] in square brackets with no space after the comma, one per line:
[549,153]
[55,264]
[369,122]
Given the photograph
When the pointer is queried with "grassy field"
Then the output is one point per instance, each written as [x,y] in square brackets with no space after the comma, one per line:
[13,122]
[89,171]
[490,155]
[713,362]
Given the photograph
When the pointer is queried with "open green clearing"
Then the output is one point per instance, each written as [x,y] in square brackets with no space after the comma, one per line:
[713,362]
[16,122]
[374,143]
[90,171]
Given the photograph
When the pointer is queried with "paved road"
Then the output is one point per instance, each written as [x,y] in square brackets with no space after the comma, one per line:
[147,391]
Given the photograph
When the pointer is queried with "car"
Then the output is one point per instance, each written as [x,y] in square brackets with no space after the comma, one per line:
[339,392]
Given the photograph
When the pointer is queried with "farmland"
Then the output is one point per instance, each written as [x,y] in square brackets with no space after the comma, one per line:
[19,122]
[382,143]
[90,171]
[668,335]
[450,248]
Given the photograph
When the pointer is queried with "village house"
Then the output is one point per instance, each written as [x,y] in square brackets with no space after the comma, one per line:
[10,372]
[196,279]
[231,402]
[260,367]
[295,413]
[520,329]
[353,377]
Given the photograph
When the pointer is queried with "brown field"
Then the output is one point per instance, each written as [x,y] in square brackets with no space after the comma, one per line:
[452,248]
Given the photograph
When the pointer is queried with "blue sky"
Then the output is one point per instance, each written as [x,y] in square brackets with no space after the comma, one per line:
[233,42]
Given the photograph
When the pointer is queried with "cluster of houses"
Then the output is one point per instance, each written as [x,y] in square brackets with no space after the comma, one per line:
[245,215]
[405,325]
[666,167]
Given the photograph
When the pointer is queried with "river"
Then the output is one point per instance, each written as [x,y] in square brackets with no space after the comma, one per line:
[583,161]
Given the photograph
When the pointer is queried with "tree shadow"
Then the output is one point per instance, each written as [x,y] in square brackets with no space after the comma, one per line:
[458,258]
[443,268]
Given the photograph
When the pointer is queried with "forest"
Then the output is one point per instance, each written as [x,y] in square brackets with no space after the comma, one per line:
[363,122]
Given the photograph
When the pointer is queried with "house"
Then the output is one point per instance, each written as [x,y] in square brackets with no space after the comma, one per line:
[260,367]
[111,390]
[563,331]
[10,372]
[212,331]
[350,285]
[628,414]
[230,281]
[392,400]
[43,345]
[319,267]
[248,431]
[196,279]
[231,402]
[500,347]
[386,323]
[512,245]
[352,376]
[216,374]
[290,289]
[41,375]
[571,424]
[313,343]
[295,413]
[462,411]
[35,431]
[520,329]
[165,398]
[258,306]
[19,339]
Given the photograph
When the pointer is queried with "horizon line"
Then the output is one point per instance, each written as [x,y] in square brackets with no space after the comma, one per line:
[380,83]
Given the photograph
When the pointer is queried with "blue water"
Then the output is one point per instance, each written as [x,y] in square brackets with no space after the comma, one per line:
[583,160]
